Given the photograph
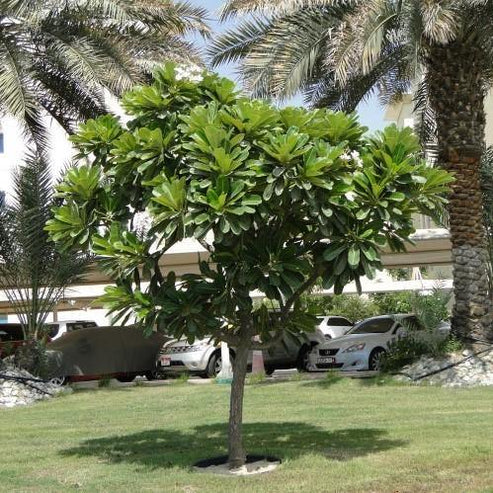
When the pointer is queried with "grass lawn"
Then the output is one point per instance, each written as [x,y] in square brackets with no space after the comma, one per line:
[332,435]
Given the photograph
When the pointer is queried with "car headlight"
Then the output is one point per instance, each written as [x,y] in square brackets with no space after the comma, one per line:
[354,347]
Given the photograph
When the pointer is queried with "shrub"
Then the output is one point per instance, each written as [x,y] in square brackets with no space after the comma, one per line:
[350,306]
[398,302]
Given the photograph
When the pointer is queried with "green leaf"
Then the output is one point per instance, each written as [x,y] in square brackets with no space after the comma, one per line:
[333,251]
[353,256]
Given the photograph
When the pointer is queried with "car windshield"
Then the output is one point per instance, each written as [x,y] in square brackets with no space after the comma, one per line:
[373,326]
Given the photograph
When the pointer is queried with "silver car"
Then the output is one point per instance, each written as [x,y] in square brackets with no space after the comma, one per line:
[203,357]
[362,347]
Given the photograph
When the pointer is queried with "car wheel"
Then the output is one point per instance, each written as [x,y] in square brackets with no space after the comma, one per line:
[302,363]
[269,370]
[214,366]
[126,378]
[152,375]
[58,381]
[374,359]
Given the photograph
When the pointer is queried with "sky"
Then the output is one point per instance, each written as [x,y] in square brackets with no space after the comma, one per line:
[370,112]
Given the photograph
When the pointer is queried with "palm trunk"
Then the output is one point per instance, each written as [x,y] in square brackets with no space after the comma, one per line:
[237,456]
[457,94]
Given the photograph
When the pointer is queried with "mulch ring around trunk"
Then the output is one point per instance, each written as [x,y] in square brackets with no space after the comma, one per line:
[255,464]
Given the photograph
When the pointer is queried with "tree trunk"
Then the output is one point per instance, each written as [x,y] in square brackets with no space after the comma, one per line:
[457,94]
[237,456]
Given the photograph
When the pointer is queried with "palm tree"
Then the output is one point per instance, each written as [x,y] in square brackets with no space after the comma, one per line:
[338,52]
[33,272]
[58,58]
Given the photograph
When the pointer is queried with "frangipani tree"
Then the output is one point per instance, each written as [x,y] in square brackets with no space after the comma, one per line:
[279,197]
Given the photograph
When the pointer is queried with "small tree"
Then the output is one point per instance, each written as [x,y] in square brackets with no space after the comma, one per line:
[33,272]
[279,197]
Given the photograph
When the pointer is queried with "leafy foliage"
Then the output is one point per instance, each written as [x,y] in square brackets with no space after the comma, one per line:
[407,350]
[399,302]
[351,306]
[58,58]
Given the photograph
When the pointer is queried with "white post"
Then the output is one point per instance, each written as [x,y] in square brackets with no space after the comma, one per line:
[257,359]
[226,373]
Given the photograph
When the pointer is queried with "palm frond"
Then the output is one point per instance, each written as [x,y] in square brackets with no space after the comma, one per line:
[33,273]
[278,65]
[91,46]
[235,44]
[233,8]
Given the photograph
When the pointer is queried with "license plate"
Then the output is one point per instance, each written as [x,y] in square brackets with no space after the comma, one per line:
[165,360]
[324,361]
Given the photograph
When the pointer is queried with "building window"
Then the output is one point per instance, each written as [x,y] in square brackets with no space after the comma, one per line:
[1,142]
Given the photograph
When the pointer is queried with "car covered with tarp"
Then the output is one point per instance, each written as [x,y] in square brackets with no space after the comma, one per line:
[104,352]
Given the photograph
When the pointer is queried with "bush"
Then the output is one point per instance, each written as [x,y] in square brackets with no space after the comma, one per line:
[399,302]
[409,349]
[402,352]
[351,306]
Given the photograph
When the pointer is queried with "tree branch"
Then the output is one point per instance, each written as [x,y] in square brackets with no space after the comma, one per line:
[296,295]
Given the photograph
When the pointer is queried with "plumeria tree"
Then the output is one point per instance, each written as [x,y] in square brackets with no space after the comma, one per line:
[280,198]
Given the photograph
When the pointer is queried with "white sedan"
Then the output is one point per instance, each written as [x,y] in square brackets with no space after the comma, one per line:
[362,347]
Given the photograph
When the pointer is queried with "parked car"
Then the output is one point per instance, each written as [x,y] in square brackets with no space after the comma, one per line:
[103,352]
[362,347]
[334,325]
[203,357]
[59,328]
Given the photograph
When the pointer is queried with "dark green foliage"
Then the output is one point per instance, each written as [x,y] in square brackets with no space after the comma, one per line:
[409,349]
[402,352]
[271,185]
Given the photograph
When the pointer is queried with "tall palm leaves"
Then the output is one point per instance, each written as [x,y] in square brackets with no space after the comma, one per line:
[58,58]
[33,273]
[339,51]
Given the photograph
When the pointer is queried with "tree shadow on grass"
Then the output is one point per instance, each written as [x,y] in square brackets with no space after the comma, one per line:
[160,448]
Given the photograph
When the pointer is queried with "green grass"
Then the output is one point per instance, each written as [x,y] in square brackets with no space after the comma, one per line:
[333,435]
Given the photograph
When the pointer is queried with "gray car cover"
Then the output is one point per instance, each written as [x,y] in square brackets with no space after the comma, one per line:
[104,351]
